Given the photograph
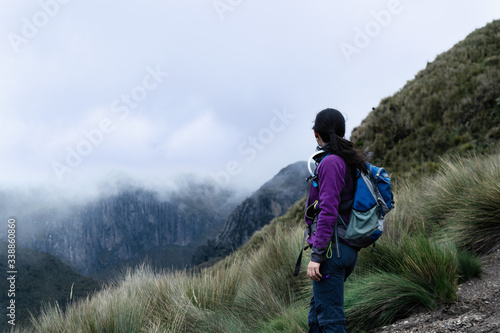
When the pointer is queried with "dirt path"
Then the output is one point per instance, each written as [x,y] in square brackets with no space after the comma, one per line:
[476,310]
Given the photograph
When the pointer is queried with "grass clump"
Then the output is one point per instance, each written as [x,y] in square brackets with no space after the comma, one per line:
[469,266]
[429,263]
[381,298]
[291,320]
[464,199]
[216,288]
[270,288]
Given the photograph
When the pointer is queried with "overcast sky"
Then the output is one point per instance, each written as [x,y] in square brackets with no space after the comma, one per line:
[224,89]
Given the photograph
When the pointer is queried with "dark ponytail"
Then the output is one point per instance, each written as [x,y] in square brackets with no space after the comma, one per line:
[330,126]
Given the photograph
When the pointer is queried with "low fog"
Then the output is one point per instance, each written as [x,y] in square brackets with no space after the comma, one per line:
[33,206]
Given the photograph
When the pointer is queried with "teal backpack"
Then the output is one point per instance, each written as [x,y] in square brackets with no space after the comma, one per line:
[372,201]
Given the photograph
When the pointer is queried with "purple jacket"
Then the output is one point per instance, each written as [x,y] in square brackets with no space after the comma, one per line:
[331,180]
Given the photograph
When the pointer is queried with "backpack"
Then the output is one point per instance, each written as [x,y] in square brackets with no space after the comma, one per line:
[373,199]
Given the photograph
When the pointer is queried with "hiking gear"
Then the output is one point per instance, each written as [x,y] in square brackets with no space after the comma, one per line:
[331,169]
[372,201]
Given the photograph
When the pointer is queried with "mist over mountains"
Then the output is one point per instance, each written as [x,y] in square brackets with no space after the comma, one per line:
[125,224]
[122,226]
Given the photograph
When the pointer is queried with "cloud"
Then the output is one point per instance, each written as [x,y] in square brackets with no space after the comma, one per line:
[225,78]
[198,139]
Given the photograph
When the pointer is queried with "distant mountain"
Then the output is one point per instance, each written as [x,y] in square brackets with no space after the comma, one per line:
[452,106]
[40,279]
[102,236]
[271,200]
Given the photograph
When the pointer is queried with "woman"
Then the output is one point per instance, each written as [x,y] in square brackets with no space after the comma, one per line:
[336,184]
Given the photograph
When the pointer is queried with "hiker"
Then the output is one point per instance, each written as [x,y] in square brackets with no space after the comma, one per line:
[328,269]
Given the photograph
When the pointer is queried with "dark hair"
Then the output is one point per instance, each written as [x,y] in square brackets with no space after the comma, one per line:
[330,126]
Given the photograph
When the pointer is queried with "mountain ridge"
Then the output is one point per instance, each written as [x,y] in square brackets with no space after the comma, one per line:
[271,200]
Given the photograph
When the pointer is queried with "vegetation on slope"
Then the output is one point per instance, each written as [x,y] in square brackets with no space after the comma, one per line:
[452,106]
[41,277]
[419,262]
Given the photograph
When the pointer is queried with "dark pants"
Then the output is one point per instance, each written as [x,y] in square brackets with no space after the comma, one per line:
[326,312]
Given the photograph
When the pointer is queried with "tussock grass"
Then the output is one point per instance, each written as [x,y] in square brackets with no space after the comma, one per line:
[469,266]
[464,199]
[270,287]
[238,294]
[216,288]
[405,219]
[430,263]
[381,298]
[108,311]
[292,320]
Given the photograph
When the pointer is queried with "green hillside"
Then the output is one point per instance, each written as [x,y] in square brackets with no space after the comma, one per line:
[42,279]
[452,106]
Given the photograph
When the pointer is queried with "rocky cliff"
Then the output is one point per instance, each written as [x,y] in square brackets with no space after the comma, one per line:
[270,201]
[125,228]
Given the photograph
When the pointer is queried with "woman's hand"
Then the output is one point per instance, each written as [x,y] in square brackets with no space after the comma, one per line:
[313,271]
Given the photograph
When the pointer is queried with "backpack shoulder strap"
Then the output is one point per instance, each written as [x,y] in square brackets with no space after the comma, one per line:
[347,205]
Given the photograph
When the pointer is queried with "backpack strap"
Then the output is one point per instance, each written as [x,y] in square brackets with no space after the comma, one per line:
[311,180]
[309,229]
[343,207]
[311,210]
[299,259]
[346,206]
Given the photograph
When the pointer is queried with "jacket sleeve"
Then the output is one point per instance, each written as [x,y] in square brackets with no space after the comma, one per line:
[331,173]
